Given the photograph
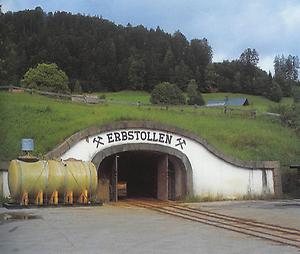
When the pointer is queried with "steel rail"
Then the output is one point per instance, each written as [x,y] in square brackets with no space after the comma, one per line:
[261,230]
[239,220]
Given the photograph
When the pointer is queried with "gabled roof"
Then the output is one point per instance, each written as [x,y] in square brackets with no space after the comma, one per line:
[228,102]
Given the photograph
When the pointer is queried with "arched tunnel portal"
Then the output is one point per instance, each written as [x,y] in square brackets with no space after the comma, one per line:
[143,171]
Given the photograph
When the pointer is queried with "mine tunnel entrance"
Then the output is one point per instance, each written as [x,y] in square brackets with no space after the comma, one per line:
[141,174]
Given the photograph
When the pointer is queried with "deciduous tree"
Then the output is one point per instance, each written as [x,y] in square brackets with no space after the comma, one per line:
[46,77]
[194,95]
[167,93]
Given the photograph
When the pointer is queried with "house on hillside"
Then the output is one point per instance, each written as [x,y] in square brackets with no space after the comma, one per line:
[228,102]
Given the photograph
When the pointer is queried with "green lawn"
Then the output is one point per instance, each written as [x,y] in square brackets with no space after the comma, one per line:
[258,103]
[50,121]
[127,96]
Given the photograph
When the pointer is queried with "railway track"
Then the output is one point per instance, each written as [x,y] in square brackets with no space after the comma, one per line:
[275,233]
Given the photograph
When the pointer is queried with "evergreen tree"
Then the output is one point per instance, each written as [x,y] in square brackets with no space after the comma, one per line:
[136,73]
[105,56]
[286,73]
[194,96]
[273,92]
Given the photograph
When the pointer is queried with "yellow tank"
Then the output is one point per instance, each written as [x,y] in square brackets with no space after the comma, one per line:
[49,176]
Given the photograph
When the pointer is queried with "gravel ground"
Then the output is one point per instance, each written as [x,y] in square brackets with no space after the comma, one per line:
[284,213]
[121,229]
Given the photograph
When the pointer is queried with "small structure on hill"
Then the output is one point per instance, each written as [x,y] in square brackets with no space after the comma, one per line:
[16,90]
[228,102]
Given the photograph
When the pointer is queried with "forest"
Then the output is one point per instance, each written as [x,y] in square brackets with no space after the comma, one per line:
[103,56]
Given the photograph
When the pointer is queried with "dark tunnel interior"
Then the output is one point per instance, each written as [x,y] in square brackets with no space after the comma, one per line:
[137,174]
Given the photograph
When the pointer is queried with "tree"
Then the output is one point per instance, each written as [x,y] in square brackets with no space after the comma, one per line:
[181,76]
[249,57]
[274,93]
[8,63]
[292,66]
[167,69]
[194,96]
[249,60]
[286,72]
[98,53]
[136,73]
[179,46]
[199,56]
[167,93]
[46,77]
[211,78]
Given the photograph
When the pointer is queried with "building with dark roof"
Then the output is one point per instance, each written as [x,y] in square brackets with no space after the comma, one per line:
[228,102]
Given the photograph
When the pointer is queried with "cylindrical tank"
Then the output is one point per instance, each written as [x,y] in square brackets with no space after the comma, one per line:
[49,176]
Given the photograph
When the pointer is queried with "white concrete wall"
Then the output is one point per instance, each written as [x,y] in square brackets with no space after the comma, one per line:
[4,184]
[211,175]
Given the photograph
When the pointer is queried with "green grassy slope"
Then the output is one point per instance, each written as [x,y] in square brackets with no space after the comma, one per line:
[50,121]
[128,96]
[259,103]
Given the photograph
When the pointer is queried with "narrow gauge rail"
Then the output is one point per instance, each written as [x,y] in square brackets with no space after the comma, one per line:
[275,233]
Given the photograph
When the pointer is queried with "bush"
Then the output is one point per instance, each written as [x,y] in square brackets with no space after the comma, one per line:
[102,97]
[194,95]
[279,109]
[167,93]
[289,115]
[196,100]
[47,77]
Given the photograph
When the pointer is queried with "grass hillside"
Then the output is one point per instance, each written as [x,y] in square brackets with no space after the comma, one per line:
[127,96]
[259,103]
[49,122]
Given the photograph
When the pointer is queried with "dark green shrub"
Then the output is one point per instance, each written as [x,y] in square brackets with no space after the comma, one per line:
[279,109]
[167,93]
[102,97]
[194,95]
[196,100]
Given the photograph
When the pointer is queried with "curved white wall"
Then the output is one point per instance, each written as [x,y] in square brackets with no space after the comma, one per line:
[211,175]
[4,191]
